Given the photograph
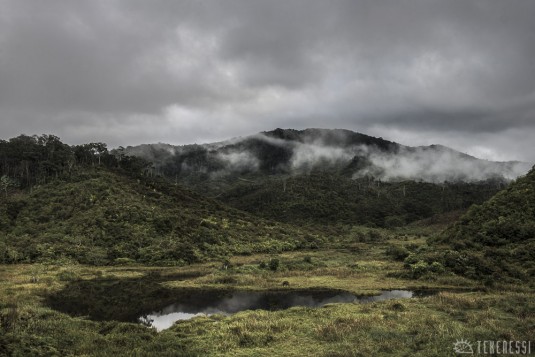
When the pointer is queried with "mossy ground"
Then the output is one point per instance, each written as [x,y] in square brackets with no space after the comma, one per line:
[411,327]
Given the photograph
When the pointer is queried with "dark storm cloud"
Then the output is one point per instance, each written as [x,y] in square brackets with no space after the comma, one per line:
[126,72]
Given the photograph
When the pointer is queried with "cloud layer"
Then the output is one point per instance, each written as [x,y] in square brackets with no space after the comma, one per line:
[345,153]
[415,71]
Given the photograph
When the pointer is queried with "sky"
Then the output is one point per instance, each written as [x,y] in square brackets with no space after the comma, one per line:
[460,73]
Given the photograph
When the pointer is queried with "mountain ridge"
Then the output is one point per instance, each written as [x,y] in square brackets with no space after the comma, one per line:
[290,151]
[328,176]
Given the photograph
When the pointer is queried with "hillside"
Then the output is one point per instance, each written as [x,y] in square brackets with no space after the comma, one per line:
[99,216]
[320,176]
[496,239]
[341,152]
[85,205]
[321,198]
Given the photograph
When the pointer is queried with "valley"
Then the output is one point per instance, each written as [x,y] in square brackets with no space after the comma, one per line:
[461,308]
[92,240]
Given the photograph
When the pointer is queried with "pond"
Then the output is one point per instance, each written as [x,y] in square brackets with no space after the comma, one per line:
[229,302]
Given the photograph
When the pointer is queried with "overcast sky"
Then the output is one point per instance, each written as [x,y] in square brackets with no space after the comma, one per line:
[459,73]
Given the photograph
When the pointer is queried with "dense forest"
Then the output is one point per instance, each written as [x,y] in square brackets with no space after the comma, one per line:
[310,177]
[338,152]
[327,199]
[494,240]
[82,203]
[26,161]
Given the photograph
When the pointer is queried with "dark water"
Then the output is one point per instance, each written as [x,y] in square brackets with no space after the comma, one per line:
[230,302]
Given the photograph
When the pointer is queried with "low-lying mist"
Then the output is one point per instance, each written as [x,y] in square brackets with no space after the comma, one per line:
[437,164]
[293,152]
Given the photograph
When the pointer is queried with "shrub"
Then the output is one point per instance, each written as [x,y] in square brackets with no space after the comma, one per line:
[274,264]
[419,269]
[123,261]
[410,260]
[394,221]
[226,264]
[397,252]
[436,267]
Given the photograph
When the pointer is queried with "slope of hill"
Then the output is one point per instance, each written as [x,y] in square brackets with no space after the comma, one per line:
[331,176]
[496,239]
[321,198]
[99,216]
[81,203]
[287,151]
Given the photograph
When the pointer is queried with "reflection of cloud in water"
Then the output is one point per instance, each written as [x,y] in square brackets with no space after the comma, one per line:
[386,295]
[239,301]
[164,321]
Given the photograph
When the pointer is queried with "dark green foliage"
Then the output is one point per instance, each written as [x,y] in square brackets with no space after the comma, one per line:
[497,238]
[397,252]
[99,217]
[26,161]
[110,209]
[274,264]
[263,178]
[324,198]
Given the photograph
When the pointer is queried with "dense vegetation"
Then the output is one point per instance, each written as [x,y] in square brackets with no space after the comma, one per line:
[98,214]
[272,152]
[309,177]
[26,161]
[495,240]
[326,199]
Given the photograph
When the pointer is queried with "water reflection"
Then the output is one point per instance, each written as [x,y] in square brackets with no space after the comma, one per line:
[235,301]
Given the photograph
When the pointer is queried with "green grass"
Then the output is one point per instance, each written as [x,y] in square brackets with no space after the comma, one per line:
[413,327]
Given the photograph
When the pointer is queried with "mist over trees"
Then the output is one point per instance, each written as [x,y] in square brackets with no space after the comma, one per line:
[329,177]
[343,152]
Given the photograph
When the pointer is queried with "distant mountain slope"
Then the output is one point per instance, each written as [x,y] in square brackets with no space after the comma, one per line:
[288,151]
[331,176]
[99,216]
[497,238]
[321,198]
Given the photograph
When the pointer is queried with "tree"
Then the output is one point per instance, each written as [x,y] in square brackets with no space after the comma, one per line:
[6,183]
[88,153]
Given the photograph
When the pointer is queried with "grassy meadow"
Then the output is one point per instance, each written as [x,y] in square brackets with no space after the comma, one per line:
[427,326]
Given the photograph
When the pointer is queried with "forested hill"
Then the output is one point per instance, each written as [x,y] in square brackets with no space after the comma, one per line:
[26,161]
[83,204]
[322,198]
[341,152]
[320,176]
[496,239]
